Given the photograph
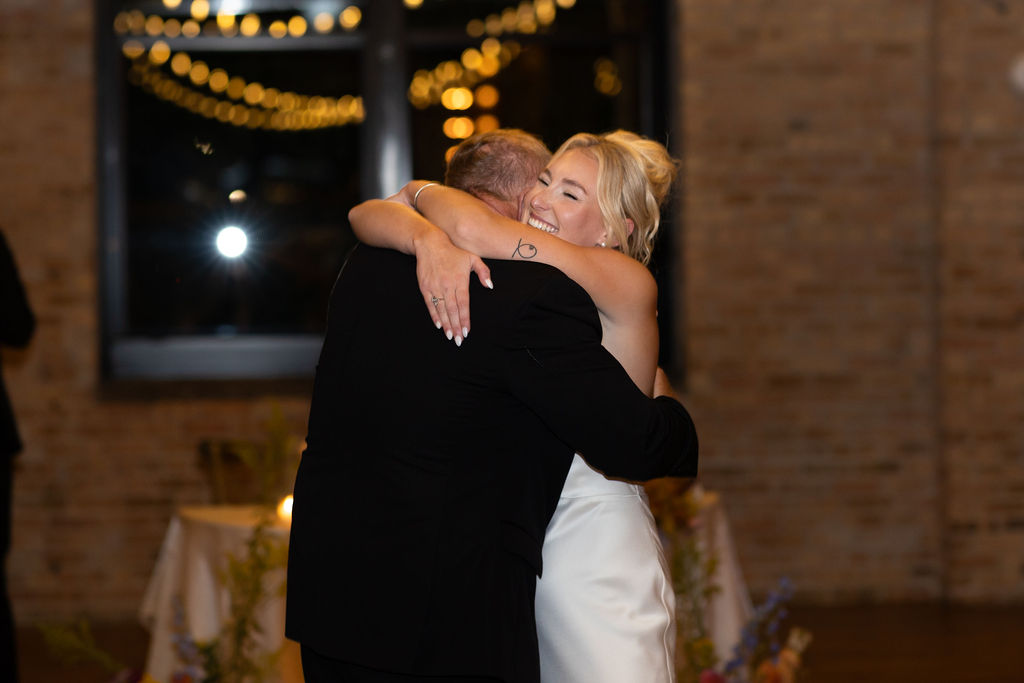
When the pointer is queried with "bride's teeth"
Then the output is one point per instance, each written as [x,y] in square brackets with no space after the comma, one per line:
[533,222]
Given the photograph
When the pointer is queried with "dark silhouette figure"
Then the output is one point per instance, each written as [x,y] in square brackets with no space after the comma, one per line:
[16,326]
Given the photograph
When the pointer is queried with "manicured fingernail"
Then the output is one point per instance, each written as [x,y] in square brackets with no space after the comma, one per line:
[437,324]
[448,333]
[490,285]
[465,332]
[458,341]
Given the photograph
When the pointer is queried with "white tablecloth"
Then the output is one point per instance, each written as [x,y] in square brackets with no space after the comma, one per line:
[187,572]
[199,539]
[730,607]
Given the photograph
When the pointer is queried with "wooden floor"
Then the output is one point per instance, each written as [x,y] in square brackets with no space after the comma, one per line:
[912,644]
[883,644]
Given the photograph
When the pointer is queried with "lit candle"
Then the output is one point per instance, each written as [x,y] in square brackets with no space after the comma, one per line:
[284,509]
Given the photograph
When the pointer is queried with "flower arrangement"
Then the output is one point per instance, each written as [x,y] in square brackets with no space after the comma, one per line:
[758,657]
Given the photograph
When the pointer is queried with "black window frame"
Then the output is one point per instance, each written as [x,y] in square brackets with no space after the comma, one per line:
[386,165]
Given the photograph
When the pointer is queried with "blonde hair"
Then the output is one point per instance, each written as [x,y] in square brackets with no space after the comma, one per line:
[634,175]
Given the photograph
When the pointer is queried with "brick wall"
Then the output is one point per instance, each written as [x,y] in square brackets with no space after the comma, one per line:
[99,478]
[981,182]
[854,288]
[853,291]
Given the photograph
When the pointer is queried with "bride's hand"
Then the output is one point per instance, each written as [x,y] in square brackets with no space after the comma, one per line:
[443,272]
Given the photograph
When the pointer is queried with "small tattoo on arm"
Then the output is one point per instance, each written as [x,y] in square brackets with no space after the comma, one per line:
[524,250]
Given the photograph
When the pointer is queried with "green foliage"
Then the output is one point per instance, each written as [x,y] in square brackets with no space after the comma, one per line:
[74,643]
[234,656]
[274,461]
[245,579]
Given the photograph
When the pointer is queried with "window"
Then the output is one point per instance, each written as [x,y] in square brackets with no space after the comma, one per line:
[266,120]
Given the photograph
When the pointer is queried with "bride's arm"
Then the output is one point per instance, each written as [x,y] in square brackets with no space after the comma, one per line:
[442,269]
[622,288]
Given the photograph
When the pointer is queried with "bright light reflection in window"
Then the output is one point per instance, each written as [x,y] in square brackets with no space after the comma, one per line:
[231,241]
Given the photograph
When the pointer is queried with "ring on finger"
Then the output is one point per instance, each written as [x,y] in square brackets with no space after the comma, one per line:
[435,299]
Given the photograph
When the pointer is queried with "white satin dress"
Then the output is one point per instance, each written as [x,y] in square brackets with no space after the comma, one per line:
[605,605]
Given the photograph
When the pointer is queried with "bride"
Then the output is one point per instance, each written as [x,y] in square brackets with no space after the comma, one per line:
[604,605]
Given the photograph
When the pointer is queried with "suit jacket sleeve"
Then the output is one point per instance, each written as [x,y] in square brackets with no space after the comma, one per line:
[16,320]
[558,367]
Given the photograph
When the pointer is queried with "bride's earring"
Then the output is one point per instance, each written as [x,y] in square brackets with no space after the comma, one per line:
[603,243]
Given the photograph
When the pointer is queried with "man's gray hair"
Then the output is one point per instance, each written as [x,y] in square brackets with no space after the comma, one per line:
[502,163]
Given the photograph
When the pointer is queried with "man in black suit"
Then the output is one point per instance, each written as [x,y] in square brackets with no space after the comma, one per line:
[432,470]
[16,326]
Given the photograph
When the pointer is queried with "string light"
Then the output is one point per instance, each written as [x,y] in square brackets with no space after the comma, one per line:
[350,17]
[450,83]
[527,17]
[190,28]
[133,49]
[487,123]
[277,29]
[323,22]
[199,73]
[136,22]
[225,21]
[154,25]
[486,96]
[457,98]
[181,63]
[471,58]
[250,25]
[159,53]
[606,77]
[458,127]
[264,108]
[199,9]
[172,28]
[297,26]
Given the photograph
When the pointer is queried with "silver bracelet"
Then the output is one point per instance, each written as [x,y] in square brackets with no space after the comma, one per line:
[416,196]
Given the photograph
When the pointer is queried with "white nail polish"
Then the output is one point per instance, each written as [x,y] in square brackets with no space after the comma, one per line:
[465,332]
[490,285]
[458,341]
[438,324]
[448,334]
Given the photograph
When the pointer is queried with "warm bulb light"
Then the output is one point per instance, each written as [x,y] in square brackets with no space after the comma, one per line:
[200,10]
[350,17]
[278,29]
[284,509]
[323,22]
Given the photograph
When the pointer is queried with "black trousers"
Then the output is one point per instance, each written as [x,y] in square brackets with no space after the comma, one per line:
[317,668]
[8,651]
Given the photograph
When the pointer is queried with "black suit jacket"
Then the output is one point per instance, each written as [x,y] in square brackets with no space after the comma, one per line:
[16,326]
[432,471]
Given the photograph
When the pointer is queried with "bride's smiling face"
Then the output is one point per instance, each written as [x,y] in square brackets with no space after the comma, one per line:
[563,201]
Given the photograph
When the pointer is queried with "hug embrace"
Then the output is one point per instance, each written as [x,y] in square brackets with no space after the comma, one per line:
[465,509]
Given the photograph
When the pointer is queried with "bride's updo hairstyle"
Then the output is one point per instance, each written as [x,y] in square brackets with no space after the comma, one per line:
[634,175]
